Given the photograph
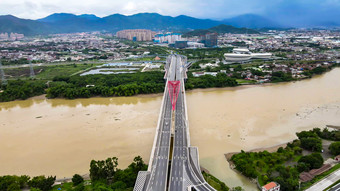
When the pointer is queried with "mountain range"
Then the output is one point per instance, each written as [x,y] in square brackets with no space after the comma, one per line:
[69,23]
[221,29]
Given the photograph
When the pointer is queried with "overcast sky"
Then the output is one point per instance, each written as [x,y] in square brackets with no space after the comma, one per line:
[213,9]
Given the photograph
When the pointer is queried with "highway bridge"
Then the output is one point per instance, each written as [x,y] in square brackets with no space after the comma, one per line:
[174,163]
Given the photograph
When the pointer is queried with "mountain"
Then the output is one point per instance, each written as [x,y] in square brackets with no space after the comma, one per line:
[69,23]
[156,21]
[251,21]
[221,29]
[58,17]
[9,23]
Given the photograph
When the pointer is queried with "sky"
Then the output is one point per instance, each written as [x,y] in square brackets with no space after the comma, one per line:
[285,10]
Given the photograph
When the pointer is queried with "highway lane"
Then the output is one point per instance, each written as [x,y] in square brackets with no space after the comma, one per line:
[327,181]
[159,170]
[335,188]
[183,173]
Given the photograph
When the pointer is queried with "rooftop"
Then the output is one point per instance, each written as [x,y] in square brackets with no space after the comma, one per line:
[270,185]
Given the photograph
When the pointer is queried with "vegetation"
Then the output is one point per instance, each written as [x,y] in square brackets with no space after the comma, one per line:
[285,165]
[13,182]
[42,183]
[308,162]
[335,148]
[106,174]
[49,72]
[281,77]
[208,81]
[77,179]
[106,85]
[214,182]
[19,89]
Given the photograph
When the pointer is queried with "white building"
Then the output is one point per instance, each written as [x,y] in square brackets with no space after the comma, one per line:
[169,38]
[195,45]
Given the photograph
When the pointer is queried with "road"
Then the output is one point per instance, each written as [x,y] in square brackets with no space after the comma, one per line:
[335,188]
[184,169]
[159,171]
[327,181]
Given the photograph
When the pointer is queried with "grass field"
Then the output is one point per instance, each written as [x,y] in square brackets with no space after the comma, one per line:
[47,72]
[214,182]
[241,81]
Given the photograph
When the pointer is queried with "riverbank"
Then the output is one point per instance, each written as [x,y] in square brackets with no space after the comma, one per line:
[74,92]
[269,149]
[71,133]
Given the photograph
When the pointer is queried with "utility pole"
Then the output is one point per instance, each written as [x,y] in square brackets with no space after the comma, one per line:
[3,79]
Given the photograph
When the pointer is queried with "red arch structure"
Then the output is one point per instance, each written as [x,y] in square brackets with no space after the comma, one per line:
[174,88]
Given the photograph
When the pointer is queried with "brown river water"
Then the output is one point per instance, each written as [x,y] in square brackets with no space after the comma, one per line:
[60,137]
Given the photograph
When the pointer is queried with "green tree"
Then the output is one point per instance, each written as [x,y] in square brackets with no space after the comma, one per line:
[335,148]
[77,179]
[42,182]
[311,143]
[312,161]
[103,170]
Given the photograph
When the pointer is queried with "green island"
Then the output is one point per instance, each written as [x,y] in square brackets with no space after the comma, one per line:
[286,165]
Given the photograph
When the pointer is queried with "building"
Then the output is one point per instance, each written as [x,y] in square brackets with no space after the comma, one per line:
[181,44]
[11,36]
[209,40]
[168,38]
[195,45]
[4,36]
[136,34]
[271,186]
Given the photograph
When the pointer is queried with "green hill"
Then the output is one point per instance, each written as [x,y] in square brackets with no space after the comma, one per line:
[221,29]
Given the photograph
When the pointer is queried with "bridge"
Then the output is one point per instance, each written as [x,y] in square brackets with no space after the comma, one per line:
[174,163]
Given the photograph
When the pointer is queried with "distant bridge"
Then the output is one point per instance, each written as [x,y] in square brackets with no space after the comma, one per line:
[174,164]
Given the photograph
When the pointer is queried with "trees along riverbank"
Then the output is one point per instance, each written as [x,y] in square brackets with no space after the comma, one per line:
[285,165]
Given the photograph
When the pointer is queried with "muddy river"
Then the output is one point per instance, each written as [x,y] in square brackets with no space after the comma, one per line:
[60,137]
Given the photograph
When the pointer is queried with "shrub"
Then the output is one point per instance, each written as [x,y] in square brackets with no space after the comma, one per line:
[77,179]
[335,148]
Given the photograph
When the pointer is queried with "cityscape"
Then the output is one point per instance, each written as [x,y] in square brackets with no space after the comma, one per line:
[149,100]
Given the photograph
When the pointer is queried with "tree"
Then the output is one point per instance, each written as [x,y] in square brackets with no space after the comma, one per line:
[138,165]
[103,170]
[13,182]
[42,182]
[311,143]
[77,179]
[305,134]
[312,161]
[238,188]
[335,148]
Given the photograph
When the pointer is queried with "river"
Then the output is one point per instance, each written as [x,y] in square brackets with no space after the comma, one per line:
[60,137]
